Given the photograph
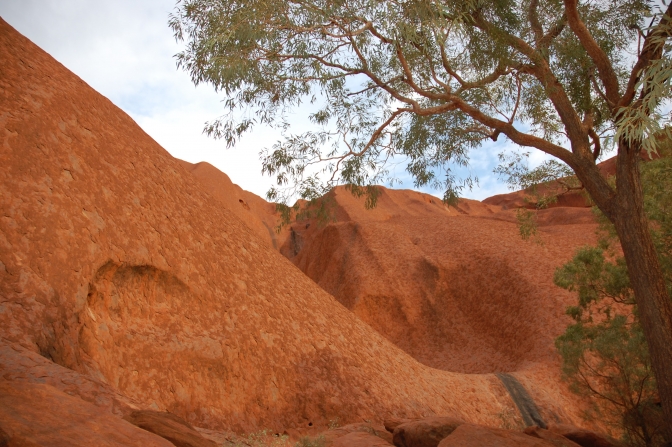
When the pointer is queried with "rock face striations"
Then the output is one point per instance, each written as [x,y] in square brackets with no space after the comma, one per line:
[117,264]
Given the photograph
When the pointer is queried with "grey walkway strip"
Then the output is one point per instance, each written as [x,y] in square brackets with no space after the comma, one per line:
[528,409]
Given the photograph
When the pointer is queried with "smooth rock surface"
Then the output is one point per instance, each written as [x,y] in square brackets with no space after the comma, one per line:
[168,426]
[456,288]
[468,435]
[583,437]
[426,432]
[39,414]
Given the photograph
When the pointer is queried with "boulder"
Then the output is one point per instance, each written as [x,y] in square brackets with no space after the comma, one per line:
[468,435]
[426,432]
[360,427]
[391,423]
[583,437]
[18,364]
[168,426]
[554,438]
[34,414]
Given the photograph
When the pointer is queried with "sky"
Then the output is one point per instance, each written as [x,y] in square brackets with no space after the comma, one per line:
[125,50]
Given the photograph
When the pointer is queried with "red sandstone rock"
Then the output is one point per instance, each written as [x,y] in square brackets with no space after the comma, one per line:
[22,368]
[458,292]
[575,198]
[525,198]
[468,435]
[116,263]
[396,207]
[168,426]
[19,365]
[391,423]
[457,289]
[359,427]
[583,437]
[360,439]
[554,438]
[162,287]
[426,432]
[259,215]
[39,414]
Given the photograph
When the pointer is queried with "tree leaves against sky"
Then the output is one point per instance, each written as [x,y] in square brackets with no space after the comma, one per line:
[418,79]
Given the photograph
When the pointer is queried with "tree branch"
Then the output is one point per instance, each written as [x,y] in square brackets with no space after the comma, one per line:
[514,134]
[597,147]
[651,50]
[533,18]
[552,86]
[604,68]
[552,33]
[488,79]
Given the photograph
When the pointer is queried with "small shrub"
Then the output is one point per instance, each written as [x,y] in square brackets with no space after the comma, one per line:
[320,441]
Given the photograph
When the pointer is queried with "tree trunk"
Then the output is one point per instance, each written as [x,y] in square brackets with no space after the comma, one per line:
[646,276]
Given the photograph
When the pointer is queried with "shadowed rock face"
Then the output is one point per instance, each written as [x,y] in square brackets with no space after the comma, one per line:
[116,263]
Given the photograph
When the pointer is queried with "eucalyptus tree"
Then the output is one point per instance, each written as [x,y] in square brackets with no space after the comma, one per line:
[432,80]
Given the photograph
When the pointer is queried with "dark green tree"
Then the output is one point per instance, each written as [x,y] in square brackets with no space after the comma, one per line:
[432,80]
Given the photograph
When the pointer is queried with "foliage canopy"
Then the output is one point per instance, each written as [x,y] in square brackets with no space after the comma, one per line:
[426,79]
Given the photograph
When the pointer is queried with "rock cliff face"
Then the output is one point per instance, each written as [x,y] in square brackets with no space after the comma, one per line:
[117,264]
[456,288]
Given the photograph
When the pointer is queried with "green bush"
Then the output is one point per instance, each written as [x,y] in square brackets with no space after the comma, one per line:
[604,353]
